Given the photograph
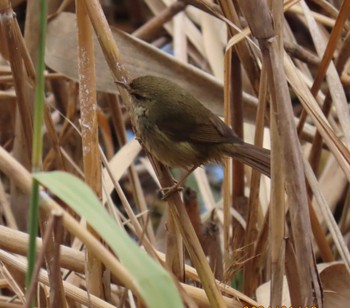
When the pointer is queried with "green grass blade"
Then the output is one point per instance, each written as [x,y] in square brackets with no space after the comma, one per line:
[154,283]
[37,142]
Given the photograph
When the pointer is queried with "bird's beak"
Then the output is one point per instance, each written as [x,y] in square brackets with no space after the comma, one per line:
[123,83]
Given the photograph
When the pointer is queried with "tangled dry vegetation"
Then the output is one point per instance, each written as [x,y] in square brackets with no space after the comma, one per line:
[279,75]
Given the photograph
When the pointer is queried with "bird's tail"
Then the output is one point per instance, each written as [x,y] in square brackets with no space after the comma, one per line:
[251,155]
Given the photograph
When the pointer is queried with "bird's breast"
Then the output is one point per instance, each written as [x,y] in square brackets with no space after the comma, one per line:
[166,150]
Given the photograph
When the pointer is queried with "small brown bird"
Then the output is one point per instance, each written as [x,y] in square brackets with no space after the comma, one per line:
[180,132]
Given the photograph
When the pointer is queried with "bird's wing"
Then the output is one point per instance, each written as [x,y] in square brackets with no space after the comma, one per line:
[182,124]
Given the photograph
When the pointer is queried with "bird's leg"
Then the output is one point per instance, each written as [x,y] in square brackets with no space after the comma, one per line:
[167,191]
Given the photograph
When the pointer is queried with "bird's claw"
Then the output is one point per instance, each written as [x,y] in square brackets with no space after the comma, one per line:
[167,191]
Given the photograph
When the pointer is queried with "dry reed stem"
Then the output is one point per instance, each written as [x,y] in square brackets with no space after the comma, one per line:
[322,19]
[17,242]
[320,238]
[235,116]
[57,295]
[149,30]
[174,242]
[106,133]
[49,251]
[56,284]
[6,208]
[227,167]
[278,204]
[243,49]
[252,230]
[89,133]
[174,249]
[277,219]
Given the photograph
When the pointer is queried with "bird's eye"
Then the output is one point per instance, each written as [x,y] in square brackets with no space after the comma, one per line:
[137,96]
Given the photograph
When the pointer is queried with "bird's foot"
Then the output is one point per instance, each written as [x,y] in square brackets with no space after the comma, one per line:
[167,191]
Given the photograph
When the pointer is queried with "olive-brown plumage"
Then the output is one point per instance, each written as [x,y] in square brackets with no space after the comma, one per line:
[180,132]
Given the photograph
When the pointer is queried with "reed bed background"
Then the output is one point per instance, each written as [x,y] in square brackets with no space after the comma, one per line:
[277,72]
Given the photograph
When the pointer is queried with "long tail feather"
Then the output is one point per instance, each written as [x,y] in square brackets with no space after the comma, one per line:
[253,156]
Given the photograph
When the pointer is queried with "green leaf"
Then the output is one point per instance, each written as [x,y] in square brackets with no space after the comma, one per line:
[154,283]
